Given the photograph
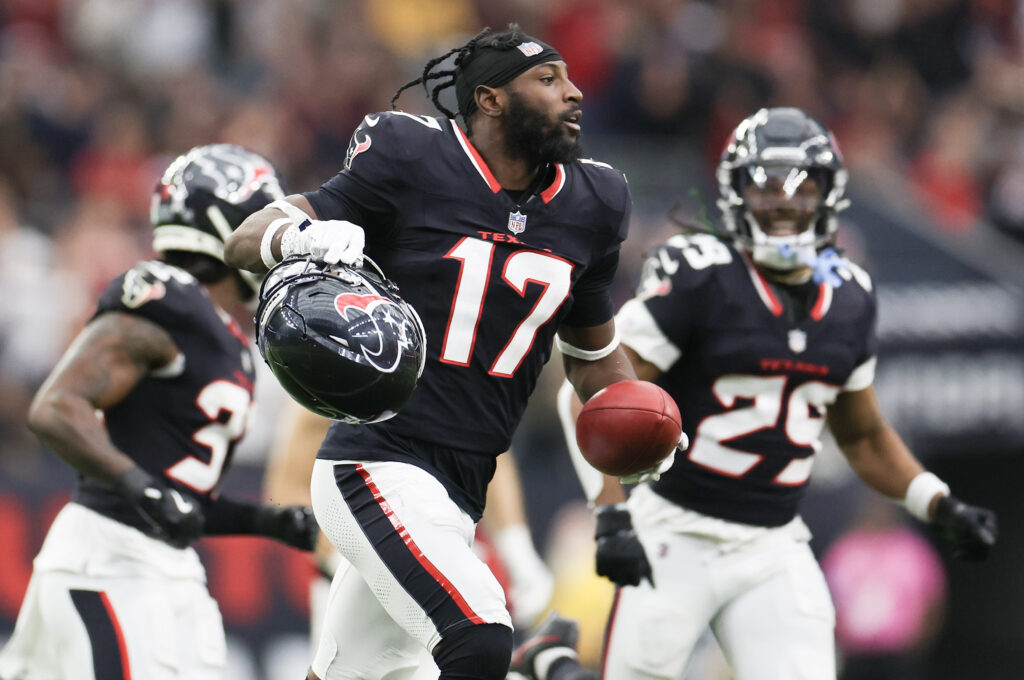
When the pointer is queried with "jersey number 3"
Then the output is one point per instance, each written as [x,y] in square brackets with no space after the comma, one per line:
[521,268]
[218,436]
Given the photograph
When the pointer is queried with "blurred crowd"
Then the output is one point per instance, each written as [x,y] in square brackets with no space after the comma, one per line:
[96,96]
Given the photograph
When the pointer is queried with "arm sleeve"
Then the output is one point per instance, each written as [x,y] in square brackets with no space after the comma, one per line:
[592,304]
[657,321]
[863,375]
[231,516]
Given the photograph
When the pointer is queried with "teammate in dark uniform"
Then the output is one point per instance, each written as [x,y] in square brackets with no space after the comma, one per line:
[147,405]
[762,338]
[499,236]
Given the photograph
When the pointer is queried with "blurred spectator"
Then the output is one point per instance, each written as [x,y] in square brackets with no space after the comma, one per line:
[946,170]
[889,589]
[38,299]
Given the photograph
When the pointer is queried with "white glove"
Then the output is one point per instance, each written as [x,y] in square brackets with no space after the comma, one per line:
[327,241]
[532,582]
[654,474]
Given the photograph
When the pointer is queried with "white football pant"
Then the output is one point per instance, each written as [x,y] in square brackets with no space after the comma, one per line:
[389,518]
[760,590]
[106,601]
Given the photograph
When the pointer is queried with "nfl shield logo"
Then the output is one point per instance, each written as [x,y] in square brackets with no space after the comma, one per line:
[516,222]
[530,48]
[797,341]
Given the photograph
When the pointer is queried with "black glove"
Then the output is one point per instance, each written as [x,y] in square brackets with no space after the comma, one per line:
[620,557]
[175,519]
[293,525]
[971,530]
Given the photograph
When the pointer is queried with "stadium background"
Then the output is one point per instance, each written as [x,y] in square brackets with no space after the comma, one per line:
[926,98]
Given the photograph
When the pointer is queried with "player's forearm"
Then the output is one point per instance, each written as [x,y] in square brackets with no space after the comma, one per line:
[68,424]
[588,377]
[882,461]
[242,249]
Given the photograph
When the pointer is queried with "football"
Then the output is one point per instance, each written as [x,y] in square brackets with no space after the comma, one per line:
[628,427]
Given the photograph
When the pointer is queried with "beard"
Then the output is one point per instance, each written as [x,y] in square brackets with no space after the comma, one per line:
[535,137]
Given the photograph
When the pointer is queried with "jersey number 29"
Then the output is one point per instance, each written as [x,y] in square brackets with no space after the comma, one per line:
[805,408]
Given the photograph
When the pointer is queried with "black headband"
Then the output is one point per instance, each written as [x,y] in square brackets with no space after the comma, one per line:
[494,66]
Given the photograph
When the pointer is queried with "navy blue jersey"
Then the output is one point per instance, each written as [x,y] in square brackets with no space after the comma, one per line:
[180,422]
[752,382]
[491,276]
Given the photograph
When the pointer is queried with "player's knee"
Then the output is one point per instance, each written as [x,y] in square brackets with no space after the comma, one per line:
[480,652]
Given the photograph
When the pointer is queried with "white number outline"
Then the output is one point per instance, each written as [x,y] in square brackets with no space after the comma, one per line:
[801,427]
[219,395]
[521,268]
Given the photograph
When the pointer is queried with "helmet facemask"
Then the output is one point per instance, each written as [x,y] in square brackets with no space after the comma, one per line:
[781,182]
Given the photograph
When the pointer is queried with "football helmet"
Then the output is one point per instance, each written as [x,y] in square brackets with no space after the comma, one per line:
[340,339]
[781,183]
[205,194]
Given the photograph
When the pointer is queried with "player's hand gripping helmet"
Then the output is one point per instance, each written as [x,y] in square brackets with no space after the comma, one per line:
[339,339]
[781,182]
[205,194]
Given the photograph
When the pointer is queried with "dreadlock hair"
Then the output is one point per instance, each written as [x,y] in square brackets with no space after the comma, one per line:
[505,40]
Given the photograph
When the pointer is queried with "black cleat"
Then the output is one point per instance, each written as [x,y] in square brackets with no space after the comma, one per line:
[551,633]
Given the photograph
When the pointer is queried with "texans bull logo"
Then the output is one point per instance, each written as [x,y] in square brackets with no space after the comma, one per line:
[368,315]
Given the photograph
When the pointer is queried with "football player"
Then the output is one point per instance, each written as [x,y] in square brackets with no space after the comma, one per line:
[499,235]
[762,337]
[147,405]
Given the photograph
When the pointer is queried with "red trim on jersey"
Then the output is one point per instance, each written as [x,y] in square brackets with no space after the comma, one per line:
[122,648]
[477,160]
[763,288]
[824,301]
[414,549]
[608,633]
[556,184]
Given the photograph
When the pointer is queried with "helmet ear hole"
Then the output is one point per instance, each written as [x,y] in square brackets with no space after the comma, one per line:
[340,340]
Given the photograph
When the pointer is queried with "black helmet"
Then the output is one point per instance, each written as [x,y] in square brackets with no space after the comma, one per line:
[339,339]
[787,144]
[205,194]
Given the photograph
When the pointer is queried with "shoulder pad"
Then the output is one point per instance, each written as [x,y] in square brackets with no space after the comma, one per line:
[153,289]
[600,168]
[682,262]
[393,131]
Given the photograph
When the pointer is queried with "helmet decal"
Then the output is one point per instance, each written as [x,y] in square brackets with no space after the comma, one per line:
[384,315]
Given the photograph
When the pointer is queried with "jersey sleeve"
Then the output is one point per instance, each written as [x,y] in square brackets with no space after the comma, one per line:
[592,304]
[369,186]
[863,376]
[151,290]
[657,321]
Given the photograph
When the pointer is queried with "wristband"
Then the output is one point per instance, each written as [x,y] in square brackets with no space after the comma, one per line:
[297,214]
[920,492]
[266,243]
[587,354]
